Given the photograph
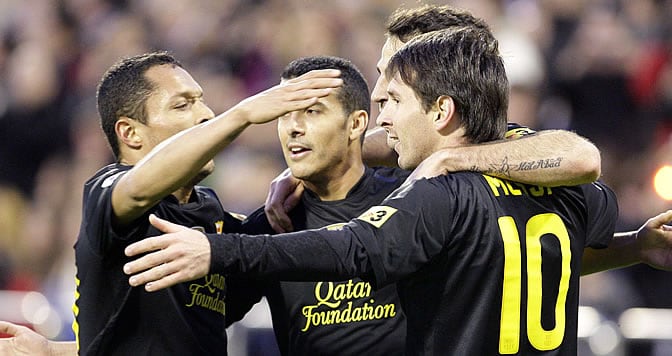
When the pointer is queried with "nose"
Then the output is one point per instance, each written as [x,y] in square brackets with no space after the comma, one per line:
[378,93]
[294,124]
[383,119]
[205,113]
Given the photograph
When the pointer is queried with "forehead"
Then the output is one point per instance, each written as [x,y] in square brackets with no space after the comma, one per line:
[331,101]
[398,87]
[172,80]
[391,46]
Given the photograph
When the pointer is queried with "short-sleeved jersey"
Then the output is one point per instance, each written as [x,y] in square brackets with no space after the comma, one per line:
[111,317]
[484,266]
[500,259]
[331,318]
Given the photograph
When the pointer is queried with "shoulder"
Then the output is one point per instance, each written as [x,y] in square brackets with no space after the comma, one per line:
[107,175]
[257,223]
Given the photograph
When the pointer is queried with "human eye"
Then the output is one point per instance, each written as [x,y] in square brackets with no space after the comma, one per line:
[181,105]
[393,98]
[381,104]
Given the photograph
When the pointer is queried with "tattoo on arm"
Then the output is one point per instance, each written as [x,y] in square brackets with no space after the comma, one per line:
[504,168]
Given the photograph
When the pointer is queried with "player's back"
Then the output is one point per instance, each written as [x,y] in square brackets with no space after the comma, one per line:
[506,276]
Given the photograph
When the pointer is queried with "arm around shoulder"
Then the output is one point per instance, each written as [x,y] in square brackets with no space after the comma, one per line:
[549,158]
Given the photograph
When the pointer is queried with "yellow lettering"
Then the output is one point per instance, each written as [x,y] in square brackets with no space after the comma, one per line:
[330,297]
[496,184]
[505,187]
[513,190]
[324,300]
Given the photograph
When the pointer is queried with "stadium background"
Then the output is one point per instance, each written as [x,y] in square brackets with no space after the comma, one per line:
[600,67]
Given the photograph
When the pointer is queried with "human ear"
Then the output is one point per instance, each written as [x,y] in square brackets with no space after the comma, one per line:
[127,132]
[359,124]
[445,110]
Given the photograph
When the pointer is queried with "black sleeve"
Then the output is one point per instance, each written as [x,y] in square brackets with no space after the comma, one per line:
[602,207]
[243,292]
[382,245]
[98,214]
[308,255]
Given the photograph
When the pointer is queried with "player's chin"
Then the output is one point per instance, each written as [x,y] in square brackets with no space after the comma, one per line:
[406,162]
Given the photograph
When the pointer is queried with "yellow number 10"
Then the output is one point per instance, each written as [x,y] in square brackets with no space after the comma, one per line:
[536,227]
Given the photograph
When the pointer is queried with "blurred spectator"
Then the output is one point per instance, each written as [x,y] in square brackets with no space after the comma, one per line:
[600,67]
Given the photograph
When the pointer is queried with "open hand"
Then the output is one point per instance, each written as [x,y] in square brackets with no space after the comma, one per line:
[654,239]
[23,341]
[290,95]
[180,255]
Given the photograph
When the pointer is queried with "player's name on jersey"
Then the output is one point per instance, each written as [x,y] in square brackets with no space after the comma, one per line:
[503,187]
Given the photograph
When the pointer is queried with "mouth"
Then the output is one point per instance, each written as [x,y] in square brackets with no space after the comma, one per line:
[392,141]
[297,151]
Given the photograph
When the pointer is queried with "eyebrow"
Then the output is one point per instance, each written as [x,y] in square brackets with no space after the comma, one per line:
[188,94]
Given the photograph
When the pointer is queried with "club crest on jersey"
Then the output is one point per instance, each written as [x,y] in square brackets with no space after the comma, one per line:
[377,215]
[219,226]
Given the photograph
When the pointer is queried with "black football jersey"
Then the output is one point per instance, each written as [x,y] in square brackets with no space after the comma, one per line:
[344,317]
[113,318]
[483,266]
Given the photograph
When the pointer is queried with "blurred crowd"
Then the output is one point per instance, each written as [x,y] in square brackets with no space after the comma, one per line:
[602,68]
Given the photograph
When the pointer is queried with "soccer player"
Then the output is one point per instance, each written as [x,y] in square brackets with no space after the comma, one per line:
[466,249]
[164,137]
[322,146]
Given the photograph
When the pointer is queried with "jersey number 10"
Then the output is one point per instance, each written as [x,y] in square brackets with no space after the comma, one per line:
[536,227]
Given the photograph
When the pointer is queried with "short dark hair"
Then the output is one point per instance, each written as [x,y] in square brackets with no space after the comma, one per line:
[407,23]
[124,89]
[463,63]
[353,95]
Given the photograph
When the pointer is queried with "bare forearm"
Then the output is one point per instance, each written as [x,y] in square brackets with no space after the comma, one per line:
[549,158]
[622,252]
[176,162]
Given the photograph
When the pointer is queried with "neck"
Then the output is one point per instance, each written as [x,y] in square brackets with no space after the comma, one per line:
[338,185]
[452,138]
[183,194]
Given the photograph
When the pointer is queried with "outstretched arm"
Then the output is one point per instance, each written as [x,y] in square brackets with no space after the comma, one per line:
[182,254]
[24,341]
[157,175]
[651,244]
